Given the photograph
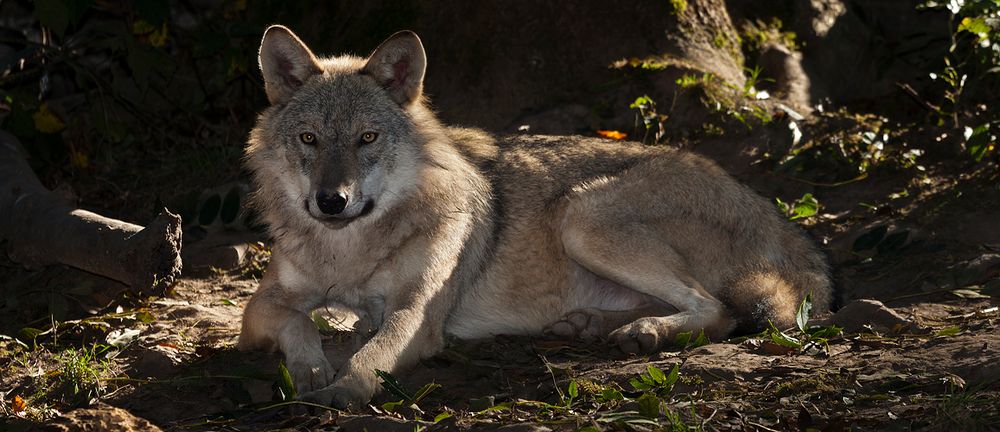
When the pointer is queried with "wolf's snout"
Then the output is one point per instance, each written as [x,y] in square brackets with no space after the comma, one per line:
[331,203]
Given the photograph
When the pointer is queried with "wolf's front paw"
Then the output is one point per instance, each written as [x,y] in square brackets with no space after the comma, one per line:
[643,335]
[310,375]
[341,394]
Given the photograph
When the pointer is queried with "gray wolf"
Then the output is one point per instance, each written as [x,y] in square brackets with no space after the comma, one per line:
[428,231]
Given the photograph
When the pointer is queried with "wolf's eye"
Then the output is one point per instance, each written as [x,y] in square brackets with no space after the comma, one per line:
[368,137]
[307,138]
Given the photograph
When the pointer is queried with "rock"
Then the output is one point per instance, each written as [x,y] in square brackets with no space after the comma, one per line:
[101,417]
[219,250]
[561,120]
[791,83]
[874,313]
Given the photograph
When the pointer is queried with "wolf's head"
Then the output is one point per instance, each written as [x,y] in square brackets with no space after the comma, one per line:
[339,139]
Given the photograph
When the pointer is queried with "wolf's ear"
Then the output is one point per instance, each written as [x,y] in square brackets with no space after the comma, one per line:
[285,62]
[398,65]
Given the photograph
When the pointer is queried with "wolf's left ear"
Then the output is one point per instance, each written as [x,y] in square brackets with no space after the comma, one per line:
[398,64]
[285,62]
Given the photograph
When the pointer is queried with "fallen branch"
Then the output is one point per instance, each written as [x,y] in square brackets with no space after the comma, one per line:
[40,228]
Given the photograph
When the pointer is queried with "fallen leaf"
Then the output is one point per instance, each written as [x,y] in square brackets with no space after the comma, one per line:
[122,337]
[46,121]
[612,134]
[18,405]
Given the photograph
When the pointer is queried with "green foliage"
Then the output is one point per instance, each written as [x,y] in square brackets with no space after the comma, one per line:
[979,141]
[688,80]
[651,119]
[655,381]
[683,340]
[396,389]
[678,6]
[139,84]
[805,207]
[974,53]
[804,337]
[753,79]
[285,384]
[756,34]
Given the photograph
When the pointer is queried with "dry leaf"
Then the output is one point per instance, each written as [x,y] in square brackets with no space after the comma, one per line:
[18,405]
[613,134]
[46,121]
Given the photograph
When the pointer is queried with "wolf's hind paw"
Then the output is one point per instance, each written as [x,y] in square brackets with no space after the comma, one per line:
[586,324]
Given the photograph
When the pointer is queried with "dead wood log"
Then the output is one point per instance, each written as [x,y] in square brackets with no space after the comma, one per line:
[40,228]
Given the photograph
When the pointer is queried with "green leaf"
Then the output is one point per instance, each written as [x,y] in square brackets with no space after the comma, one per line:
[782,339]
[573,389]
[442,416]
[802,316]
[144,317]
[977,141]
[642,102]
[701,340]
[682,339]
[610,394]
[392,385]
[30,333]
[285,382]
[950,331]
[321,323]
[672,377]
[656,374]
[785,340]
[649,405]
[636,384]
[976,26]
[391,406]
[782,206]
[424,391]
[805,207]
[825,332]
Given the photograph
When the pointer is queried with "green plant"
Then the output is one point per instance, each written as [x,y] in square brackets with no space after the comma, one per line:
[651,119]
[753,79]
[655,381]
[805,207]
[807,338]
[973,53]
[82,374]
[406,399]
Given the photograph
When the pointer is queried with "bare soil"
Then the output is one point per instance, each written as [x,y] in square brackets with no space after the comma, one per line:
[939,371]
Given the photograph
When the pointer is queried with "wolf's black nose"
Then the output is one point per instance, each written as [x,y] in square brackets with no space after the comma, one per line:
[331,204]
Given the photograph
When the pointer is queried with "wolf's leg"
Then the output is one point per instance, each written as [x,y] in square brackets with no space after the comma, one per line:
[619,245]
[277,318]
[593,323]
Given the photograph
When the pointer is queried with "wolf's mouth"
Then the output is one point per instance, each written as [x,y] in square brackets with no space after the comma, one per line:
[337,222]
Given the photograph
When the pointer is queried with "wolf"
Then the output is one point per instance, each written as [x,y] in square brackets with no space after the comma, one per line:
[430,232]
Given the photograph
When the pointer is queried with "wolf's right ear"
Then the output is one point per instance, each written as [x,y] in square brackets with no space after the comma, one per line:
[285,62]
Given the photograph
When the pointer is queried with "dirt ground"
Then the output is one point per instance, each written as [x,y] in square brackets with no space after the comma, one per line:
[931,364]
